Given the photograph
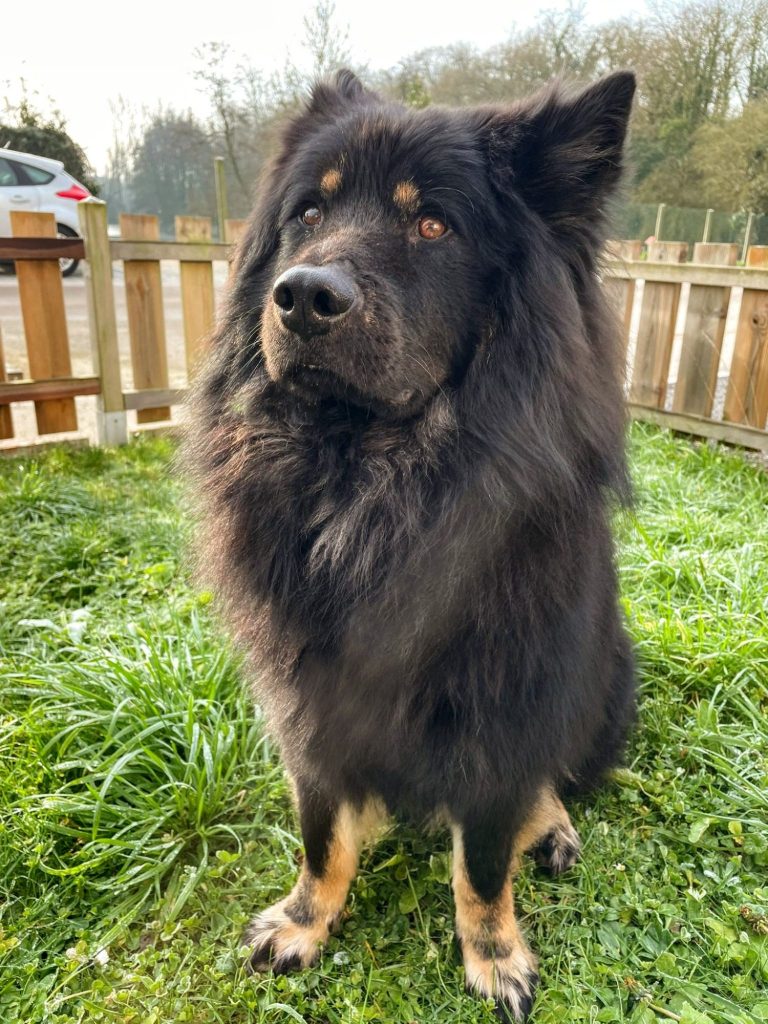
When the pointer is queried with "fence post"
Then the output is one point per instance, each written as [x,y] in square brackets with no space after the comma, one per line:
[111,417]
[747,235]
[659,219]
[707,225]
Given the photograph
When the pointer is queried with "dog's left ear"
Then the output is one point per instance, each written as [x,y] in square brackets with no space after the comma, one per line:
[563,152]
[344,90]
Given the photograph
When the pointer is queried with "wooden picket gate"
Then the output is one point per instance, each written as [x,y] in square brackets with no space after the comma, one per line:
[713,389]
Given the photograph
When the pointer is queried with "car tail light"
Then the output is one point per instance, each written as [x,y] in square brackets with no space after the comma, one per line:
[74,192]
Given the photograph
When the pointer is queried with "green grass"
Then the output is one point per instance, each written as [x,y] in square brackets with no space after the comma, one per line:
[143,813]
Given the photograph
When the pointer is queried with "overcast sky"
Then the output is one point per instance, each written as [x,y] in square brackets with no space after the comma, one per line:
[84,55]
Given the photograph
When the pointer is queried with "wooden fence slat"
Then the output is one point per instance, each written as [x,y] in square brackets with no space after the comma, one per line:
[197,301]
[700,426]
[757,256]
[621,291]
[718,254]
[654,344]
[623,249]
[193,253]
[621,298]
[689,273]
[45,321]
[149,399]
[146,322]
[746,400]
[234,230]
[656,330]
[667,252]
[703,335]
[6,419]
[45,390]
[41,248]
[234,233]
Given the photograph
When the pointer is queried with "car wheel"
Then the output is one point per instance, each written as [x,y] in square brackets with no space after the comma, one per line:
[68,266]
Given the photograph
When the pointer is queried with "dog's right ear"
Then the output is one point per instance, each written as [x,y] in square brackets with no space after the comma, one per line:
[562,152]
[344,90]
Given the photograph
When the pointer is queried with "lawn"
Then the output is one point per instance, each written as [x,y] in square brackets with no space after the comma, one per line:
[144,817]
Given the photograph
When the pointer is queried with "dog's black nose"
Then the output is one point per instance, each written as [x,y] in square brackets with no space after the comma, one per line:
[312,299]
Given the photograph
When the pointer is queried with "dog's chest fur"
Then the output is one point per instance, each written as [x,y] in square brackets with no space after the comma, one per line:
[391,623]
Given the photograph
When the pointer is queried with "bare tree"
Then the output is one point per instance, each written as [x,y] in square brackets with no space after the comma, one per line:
[326,42]
[126,133]
[220,87]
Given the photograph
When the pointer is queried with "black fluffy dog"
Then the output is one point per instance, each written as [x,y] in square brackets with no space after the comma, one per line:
[407,439]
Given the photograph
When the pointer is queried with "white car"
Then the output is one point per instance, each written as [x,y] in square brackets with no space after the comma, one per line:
[37,183]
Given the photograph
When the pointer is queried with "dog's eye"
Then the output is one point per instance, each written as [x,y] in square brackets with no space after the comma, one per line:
[311,216]
[431,227]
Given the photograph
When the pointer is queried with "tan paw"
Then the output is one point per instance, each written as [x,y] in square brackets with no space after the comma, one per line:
[510,979]
[283,940]
[559,849]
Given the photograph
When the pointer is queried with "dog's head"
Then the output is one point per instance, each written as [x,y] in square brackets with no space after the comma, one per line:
[383,234]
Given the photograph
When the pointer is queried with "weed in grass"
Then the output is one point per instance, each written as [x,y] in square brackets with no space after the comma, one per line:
[143,816]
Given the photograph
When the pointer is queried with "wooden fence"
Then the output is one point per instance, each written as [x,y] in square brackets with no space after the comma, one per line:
[712,392]
[709,383]
[51,385]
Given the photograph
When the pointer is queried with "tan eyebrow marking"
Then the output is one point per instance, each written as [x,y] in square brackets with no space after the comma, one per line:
[406,196]
[330,181]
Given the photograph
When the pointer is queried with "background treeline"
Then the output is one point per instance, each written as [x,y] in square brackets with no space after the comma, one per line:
[699,138]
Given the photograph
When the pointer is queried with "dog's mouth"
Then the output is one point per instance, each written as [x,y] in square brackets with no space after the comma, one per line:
[315,379]
[317,384]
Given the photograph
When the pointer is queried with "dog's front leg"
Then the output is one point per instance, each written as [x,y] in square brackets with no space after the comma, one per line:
[497,960]
[289,934]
